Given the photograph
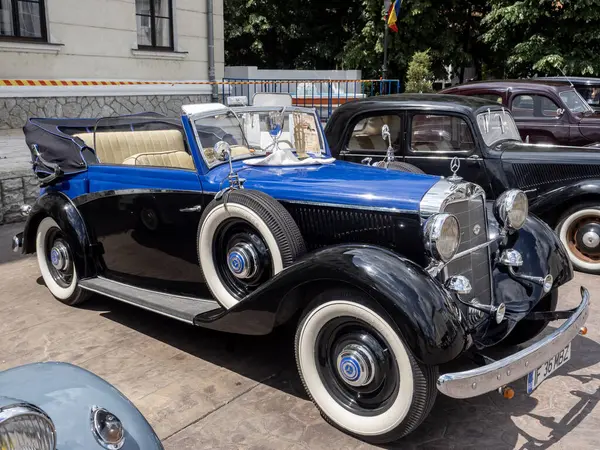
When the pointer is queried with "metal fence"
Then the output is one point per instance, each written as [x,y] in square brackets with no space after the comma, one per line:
[324,95]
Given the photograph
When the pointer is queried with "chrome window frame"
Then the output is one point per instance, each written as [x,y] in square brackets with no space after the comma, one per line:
[249,109]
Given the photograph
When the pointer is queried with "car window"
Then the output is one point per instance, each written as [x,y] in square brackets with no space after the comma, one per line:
[534,106]
[523,106]
[438,133]
[574,101]
[591,94]
[366,134]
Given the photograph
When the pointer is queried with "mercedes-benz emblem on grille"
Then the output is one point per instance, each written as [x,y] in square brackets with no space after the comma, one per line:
[477,230]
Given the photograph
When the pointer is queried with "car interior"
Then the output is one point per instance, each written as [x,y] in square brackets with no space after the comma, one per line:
[158,148]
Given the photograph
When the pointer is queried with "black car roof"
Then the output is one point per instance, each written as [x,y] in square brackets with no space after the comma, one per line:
[533,84]
[442,102]
[580,81]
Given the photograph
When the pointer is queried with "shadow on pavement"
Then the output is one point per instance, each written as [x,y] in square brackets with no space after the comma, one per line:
[485,421]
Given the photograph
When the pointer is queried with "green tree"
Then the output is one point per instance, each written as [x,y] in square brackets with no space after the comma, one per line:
[542,37]
[419,75]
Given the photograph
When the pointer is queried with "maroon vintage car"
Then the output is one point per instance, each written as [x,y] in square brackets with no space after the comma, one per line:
[546,112]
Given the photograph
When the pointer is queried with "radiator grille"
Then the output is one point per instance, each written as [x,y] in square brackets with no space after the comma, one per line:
[475,266]
[534,175]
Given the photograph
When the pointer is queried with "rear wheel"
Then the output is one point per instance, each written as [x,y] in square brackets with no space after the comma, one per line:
[358,371]
[579,231]
[57,265]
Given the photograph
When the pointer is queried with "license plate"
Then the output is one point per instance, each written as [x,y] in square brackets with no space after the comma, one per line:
[537,377]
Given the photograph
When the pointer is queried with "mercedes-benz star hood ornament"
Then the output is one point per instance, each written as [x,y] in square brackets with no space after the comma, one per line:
[454,168]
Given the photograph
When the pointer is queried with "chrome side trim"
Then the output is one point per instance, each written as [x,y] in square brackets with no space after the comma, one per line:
[338,205]
[472,383]
[87,198]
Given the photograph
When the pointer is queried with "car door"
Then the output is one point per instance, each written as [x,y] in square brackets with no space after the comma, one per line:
[540,119]
[144,218]
[433,140]
[362,138]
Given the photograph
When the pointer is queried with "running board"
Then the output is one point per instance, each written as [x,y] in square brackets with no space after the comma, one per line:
[174,306]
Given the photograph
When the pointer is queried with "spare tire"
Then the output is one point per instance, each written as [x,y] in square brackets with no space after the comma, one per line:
[401,166]
[244,239]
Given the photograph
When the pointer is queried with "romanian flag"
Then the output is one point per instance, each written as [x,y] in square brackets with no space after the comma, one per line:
[393,14]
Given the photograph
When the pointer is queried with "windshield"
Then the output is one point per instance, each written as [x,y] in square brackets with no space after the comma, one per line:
[247,133]
[496,126]
[575,102]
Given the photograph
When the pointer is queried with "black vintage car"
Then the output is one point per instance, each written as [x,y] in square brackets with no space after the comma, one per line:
[588,87]
[428,131]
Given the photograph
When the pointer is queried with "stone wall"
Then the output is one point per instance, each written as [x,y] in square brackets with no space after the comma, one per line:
[16,189]
[15,111]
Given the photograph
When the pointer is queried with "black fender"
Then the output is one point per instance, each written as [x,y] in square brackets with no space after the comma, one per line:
[60,207]
[543,254]
[422,310]
[565,195]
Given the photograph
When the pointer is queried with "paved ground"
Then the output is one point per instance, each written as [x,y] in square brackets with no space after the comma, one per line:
[206,390]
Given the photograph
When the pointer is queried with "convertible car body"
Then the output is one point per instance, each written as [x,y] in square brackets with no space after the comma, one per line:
[428,131]
[239,220]
[48,406]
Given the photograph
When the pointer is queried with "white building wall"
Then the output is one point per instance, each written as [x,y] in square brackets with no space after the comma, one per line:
[97,39]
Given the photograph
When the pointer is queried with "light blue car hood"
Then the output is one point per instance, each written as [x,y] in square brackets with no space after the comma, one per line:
[67,394]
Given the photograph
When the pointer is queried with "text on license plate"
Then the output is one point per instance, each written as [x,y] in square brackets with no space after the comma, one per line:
[535,378]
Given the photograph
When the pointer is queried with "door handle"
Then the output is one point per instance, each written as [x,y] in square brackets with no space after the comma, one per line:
[193,209]
[474,158]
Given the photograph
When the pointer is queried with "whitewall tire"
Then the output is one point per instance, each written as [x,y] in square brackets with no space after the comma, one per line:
[57,264]
[245,239]
[358,371]
[579,232]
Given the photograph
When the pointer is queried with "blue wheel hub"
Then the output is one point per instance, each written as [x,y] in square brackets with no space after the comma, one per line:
[59,256]
[243,261]
[356,365]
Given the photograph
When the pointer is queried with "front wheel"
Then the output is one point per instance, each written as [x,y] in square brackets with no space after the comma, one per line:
[359,372]
[579,231]
[57,265]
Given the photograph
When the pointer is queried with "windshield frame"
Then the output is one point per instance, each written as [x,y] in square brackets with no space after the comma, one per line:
[583,101]
[500,110]
[237,111]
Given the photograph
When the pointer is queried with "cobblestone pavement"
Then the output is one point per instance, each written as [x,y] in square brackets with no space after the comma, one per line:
[206,390]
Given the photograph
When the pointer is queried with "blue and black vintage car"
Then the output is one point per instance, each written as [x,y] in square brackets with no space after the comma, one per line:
[50,406]
[239,220]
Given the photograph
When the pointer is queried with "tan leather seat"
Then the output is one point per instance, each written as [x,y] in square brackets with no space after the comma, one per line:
[176,159]
[115,147]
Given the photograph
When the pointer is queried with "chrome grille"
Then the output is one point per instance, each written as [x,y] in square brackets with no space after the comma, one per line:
[476,265]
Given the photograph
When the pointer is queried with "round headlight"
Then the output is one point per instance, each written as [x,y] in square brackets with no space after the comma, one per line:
[442,236]
[26,426]
[108,429]
[511,209]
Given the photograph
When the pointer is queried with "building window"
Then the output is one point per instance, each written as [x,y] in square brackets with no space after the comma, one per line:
[23,19]
[154,24]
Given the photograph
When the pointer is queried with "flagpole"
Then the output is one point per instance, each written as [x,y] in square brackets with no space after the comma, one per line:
[385,52]
[386,5]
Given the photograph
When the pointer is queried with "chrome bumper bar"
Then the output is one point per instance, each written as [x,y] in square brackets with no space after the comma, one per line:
[472,383]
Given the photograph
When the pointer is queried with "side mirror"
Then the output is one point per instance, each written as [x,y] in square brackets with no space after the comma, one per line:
[223,151]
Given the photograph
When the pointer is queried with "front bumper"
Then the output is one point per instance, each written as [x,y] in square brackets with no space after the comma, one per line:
[472,383]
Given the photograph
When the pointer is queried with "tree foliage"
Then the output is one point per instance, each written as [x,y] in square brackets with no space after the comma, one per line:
[496,37]
[419,77]
[543,37]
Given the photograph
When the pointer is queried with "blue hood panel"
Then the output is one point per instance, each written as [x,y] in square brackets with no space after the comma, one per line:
[340,183]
